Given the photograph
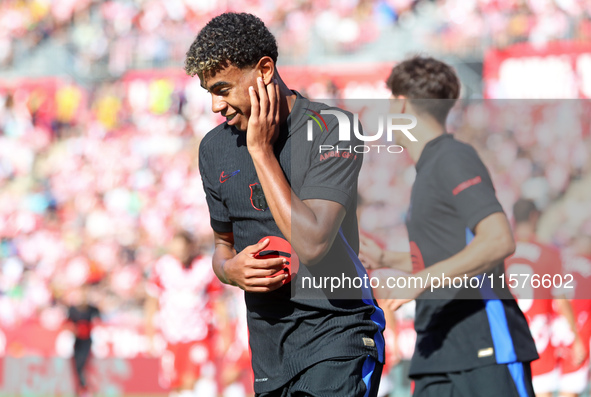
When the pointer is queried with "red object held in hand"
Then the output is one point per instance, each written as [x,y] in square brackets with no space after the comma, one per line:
[280,248]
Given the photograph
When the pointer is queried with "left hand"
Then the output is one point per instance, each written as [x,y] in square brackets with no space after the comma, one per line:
[370,253]
[263,124]
[393,295]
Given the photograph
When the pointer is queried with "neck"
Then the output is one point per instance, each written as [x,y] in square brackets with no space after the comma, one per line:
[286,101]
[425,131]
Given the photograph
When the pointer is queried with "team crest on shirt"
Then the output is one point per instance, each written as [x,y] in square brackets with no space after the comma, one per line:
[257,197]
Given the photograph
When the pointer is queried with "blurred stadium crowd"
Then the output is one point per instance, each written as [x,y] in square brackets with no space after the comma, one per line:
[123,34]
[95,181]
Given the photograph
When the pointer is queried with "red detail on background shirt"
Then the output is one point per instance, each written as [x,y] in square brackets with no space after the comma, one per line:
[83,329]
[416,257]
[466,184]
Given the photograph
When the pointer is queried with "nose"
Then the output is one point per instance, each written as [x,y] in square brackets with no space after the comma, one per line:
[217,103]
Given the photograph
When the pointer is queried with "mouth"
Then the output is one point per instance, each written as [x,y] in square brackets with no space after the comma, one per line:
[229,118]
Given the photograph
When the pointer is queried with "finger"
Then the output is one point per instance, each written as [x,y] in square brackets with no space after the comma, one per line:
[395,304]
[261,263]
[275,281]
[254,102]
[266,284]
[400,302]
[264,273]
[366,262]
[258,247]
[263,97]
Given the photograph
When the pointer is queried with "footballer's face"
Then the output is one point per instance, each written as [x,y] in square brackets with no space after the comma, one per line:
[179,248]
[229,93]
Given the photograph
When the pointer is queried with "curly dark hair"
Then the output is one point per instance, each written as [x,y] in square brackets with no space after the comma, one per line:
[429,85]
[239,38]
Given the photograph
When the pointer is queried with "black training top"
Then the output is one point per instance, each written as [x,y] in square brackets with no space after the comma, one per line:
[452,193]
[297,325]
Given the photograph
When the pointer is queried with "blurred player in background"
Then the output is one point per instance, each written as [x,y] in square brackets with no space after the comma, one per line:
[532,257]
[181,292]
[263,178]
[574,356]
[469,342]
[82,315]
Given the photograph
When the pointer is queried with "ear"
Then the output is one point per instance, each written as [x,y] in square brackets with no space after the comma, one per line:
[266,69]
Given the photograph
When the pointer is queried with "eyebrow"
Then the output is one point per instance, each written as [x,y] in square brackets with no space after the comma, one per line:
[215,85]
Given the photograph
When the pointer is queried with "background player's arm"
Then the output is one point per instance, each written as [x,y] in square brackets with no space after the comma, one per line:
[493,239]
[374,257]
[243,269]
[493,242]
[310,225]
[579,350]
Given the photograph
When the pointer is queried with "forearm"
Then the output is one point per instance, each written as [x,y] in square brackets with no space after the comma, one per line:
[396,260]
[481,255]
[307,234]
[221,255]
[276,188]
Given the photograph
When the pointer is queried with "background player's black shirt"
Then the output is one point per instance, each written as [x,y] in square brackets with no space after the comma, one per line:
[82,319]
[452,193]
[293,327]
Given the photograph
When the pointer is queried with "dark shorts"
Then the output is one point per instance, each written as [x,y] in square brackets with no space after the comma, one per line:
[357,377]
[507,380]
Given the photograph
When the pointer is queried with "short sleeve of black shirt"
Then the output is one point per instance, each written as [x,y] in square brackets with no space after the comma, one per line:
[465,180]
[333,173]
[219,215]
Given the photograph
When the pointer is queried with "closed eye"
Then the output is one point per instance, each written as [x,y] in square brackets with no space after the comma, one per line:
[220,88]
